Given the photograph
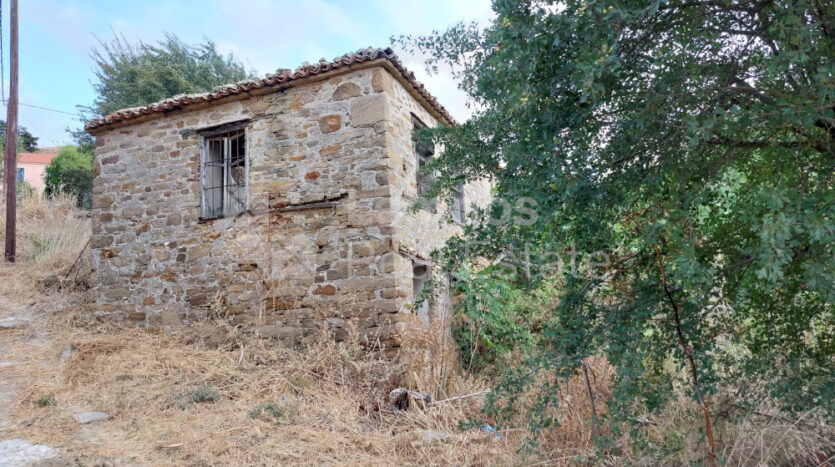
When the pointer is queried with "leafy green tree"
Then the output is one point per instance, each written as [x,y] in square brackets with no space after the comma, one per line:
[26,142]
[132,75]
[691,141]
[85,143]
[71,171]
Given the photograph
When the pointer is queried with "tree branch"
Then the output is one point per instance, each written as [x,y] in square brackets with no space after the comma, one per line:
[590,395]
[766,144]
[689,352]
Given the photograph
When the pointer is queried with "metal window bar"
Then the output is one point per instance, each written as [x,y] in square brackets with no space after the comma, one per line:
[225,174]
[423,155]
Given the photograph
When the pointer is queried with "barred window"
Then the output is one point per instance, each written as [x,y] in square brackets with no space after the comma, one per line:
[225,174]
[424,152]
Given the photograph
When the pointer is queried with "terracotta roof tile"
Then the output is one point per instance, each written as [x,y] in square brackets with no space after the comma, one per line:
[36,157]
[281,79]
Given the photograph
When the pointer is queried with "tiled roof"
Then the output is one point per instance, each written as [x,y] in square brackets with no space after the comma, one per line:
[282,79]
[36,157]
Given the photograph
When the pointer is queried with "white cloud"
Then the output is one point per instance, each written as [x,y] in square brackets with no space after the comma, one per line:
[69,24]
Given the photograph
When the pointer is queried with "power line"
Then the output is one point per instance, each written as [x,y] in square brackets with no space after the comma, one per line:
[39,130]
[30,124]
[50,109]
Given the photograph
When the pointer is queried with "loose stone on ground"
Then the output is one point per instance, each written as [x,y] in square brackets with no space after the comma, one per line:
[11,323]
[90,417]
[19,452]
[67,353]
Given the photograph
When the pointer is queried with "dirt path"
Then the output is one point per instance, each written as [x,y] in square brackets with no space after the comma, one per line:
[17,323]
[26,344]
[8,390]
[14,321]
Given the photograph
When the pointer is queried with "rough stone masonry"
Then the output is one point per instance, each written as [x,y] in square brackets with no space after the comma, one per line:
[282,204]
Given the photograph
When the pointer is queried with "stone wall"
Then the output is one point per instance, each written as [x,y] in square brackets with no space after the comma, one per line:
[419,232]
[333,250]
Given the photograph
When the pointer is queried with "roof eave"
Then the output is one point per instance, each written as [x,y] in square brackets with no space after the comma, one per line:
[390,63]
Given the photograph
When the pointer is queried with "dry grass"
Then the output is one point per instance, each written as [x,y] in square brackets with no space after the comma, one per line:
[767,439]
[50,233]
[209,395]
[212,395]
[50,236]
[326,405]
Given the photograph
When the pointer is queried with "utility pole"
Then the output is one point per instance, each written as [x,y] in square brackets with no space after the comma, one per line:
[10,162]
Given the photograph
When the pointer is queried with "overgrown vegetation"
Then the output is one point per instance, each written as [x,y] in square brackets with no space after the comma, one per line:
[494,320]
[50,232]
[250,401]
[680,158]
[670,299]
[24,190]
[71,172]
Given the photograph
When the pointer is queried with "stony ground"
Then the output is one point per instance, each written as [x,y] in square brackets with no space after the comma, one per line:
[26,343]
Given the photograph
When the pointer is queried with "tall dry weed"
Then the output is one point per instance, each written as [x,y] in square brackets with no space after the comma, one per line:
[51,232]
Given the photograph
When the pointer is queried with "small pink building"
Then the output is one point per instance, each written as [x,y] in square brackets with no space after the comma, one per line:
[31,168]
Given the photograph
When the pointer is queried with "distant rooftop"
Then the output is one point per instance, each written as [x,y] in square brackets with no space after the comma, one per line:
[37,157]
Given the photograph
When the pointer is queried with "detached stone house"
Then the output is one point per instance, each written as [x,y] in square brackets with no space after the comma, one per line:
[283,203]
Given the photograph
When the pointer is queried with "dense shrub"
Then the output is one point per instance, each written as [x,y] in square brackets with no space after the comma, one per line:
[71,171]
[494,318]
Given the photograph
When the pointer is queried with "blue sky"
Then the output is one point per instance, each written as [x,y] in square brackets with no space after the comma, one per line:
[56,37]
